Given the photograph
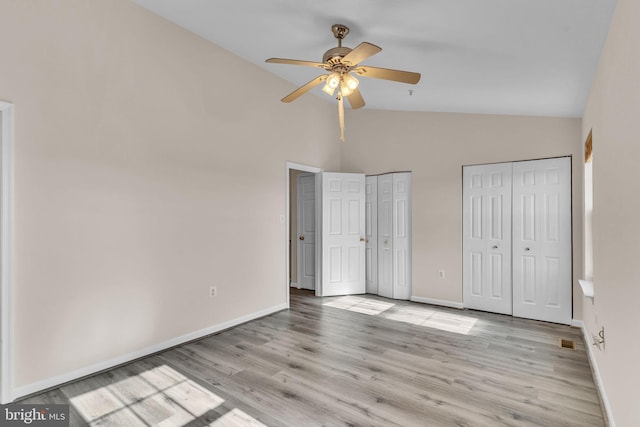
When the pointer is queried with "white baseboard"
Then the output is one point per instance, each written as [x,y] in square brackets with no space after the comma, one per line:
[577,323]
[597,378]
[432,301]
[108,364]
[294,285]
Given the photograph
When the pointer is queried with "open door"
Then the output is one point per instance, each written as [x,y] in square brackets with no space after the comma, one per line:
[343,234]
[306,228]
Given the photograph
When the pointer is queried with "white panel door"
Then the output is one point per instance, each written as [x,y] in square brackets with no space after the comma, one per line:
[385,236]
[371,234]
[487,237]
[306,208]
[343,234]
[542,240]
[401,235]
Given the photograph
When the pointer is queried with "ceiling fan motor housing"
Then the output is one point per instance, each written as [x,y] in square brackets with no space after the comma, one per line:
[334,55]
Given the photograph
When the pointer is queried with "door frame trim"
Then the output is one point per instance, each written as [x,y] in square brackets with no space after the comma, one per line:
[6,251]
[304,168]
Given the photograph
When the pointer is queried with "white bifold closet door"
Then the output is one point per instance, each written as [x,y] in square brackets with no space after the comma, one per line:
[371,233]
[391,266]
[517,239]
[385,238]
[401,234]
[487,238]
[542,240]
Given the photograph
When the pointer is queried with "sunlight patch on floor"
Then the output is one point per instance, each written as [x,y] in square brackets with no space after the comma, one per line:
[415,315]
[449,322]
[360,305]
[158,397]
[238,418]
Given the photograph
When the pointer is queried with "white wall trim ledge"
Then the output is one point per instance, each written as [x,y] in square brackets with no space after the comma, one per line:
[432,301]
[598,379]
[56,381]
[587,288]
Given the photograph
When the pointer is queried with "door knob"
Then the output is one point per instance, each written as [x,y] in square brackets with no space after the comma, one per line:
[301,237]
[362,239]
[495,246]
[527,249]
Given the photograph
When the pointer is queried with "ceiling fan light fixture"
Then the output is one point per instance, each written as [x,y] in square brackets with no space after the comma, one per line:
[334,80]
[328,89]
[345,91]
[348,84]
[351,82]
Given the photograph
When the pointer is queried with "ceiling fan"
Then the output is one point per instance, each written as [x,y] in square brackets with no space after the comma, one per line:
[340,62]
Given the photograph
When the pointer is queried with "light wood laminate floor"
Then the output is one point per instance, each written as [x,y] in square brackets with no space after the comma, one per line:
[352,361]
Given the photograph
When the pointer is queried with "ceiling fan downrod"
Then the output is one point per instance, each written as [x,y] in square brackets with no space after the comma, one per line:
[334,55]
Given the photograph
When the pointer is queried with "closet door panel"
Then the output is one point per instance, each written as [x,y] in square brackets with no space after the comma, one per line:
[385,236]
[487,283]
[542,240]
[371,233]
[401,235]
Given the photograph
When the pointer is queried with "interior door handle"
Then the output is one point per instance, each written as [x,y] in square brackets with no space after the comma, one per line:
[362,239]
[495,246]
[301,237]
[527,249]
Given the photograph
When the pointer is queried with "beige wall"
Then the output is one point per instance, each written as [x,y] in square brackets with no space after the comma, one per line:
[435,146]
[612,112]
[149,165]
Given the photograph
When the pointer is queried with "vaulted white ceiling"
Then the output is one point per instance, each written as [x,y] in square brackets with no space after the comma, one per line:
[524,57]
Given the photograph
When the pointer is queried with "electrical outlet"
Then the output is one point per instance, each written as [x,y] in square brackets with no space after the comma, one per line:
[213,292]
[441,274]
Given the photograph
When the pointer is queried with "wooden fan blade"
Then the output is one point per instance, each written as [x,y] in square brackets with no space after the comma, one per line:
[296,62]
[361,52]
[388,74]
[305,88]
[355,99]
